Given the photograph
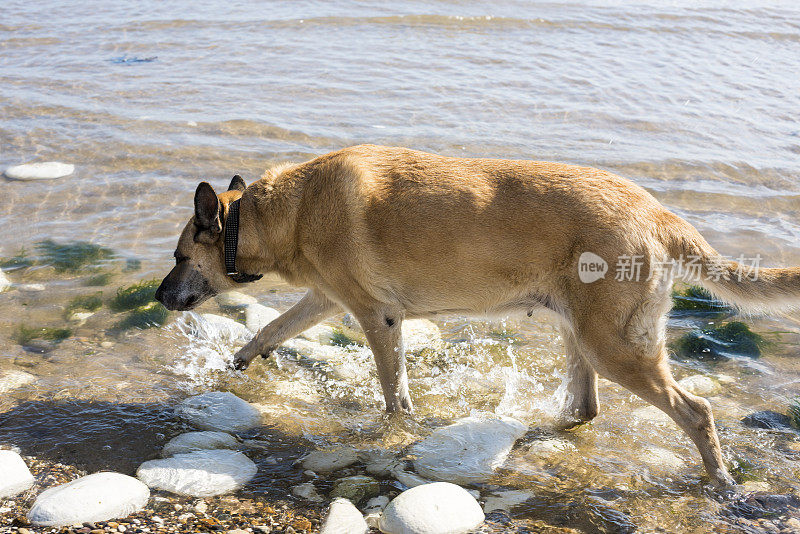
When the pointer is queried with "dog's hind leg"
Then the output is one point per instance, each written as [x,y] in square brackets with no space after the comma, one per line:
[309,311]
[580,403]
[640,364]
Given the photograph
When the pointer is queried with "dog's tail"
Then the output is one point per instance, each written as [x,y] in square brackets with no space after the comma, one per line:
[746,285]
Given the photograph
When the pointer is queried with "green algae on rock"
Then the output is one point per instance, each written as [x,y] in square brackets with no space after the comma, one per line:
[696,299]
[89,303]
[72,256]
[20,260]
[135,296]
[340,339]
[99,279]
[147,316]
[794,413]
[720,343]
[26,334]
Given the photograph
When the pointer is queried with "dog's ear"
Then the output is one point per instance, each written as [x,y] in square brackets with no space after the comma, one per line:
[206,213]
[237,184]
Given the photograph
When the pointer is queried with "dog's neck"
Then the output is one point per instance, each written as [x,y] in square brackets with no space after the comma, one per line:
[267,215]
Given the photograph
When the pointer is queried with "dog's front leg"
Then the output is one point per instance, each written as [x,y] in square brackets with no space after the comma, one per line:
[382,327]
[310,310]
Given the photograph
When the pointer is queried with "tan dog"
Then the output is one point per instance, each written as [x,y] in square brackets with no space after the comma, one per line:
[390,233]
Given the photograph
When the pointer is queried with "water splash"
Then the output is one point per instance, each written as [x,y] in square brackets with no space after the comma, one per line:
[206,347]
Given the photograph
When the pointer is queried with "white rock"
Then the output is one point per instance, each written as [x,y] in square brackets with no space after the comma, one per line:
[40,171]
[234,300]
[307,491]
[219,410]
[409,480]
[30,288]
[699,385]
[257,316]
[11,379]
[438,508]
[329,460]
[420,333]
[505,500]
[467,451]
[320,333]
[373,520]
[200,473]
[97,497]
[661,458]
[754,485]
[199,441]
[15,477]
[376,504]
[80,317]
[343,518]
[5,283]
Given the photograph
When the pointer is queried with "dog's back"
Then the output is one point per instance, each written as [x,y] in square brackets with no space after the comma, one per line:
[471,235]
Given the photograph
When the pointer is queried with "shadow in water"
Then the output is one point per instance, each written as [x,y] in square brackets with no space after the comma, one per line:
[106,436]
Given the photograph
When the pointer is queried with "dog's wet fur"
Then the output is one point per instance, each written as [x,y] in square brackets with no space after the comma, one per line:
[391,233]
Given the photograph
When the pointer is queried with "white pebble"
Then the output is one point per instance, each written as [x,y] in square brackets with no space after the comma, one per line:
[47,170]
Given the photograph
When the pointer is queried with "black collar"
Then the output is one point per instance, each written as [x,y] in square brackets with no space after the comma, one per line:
[231,243]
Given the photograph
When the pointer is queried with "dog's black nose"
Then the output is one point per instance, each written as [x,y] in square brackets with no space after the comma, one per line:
[160,295]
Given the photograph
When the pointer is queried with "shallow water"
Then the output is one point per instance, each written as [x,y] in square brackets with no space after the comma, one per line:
[696,101]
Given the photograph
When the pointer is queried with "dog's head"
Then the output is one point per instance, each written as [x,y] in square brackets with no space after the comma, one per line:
[199,271]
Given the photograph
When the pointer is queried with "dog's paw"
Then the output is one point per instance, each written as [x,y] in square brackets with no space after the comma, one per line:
[240,363]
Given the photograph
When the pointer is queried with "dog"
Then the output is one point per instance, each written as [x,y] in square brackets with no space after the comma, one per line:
[391,233]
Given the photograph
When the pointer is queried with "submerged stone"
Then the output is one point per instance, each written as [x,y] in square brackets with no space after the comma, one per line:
[200,473]
[147,316]
[97,497]
[320,333]
[46,170]
[329,460]
[661,458]
[307,491]
[31,288]
[15,477]
[408,479]
[356,488]
[421,333]
[436,508]
[72,256]
[768,420]
[505,500]
[5,283]
[11,379]
[219,410]
[198,441]
[467,451]
[234,300]
[699,385]
[720,343]
[258,316]
[696,299]
[132,297]
[380,462]
[376,504]
[343,518]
